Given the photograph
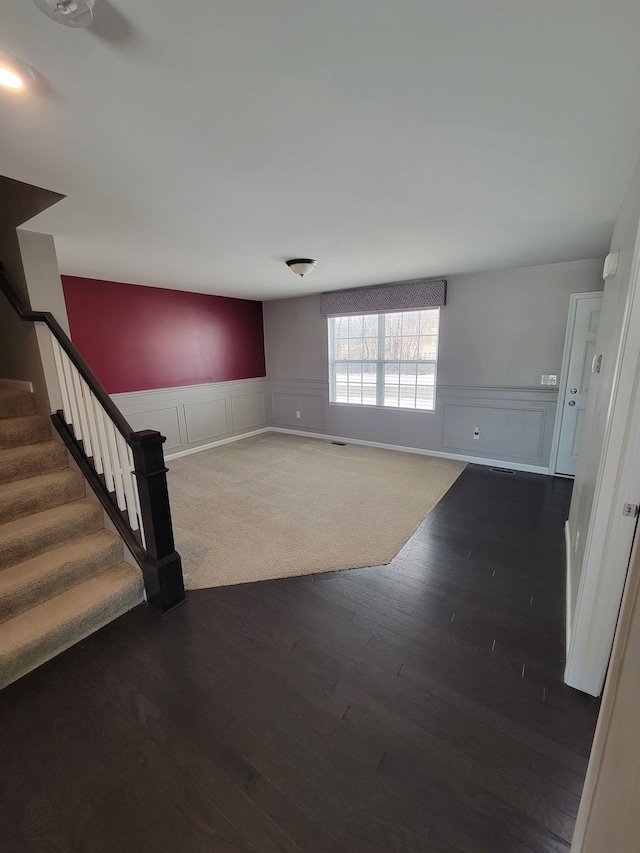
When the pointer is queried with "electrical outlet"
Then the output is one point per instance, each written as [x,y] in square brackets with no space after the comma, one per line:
[549,379]
[476,433]
[297,414]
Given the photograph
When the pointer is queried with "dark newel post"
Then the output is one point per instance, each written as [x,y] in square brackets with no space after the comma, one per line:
[163,573]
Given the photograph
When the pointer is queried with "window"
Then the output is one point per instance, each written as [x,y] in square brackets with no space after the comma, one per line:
[384,359]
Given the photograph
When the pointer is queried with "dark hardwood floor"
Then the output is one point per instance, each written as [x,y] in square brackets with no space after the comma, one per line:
[412,707]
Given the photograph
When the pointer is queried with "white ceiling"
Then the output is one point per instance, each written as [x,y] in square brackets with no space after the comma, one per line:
[199,144]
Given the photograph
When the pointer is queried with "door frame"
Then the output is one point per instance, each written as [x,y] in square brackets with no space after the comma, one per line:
[574,298]
[610,534]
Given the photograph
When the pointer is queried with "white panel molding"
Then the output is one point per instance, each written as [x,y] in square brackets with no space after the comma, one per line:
[540,394]
[206,419]
[166,419]
[203,413]
[185,402]
[247,410]
[497,405]
[535,416]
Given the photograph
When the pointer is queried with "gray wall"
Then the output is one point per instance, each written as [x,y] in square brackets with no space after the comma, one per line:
[498,333]
[598,411]
[19,351]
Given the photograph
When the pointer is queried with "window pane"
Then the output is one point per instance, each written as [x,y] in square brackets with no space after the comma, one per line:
[425,391]
[354,389]
[355,327]
[408,386]
[391,385]
[340,384]
[428,348]
[370,323]
[369,395]
[401,376]
[355,349]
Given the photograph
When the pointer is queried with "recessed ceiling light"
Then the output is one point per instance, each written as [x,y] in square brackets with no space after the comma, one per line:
[15,74]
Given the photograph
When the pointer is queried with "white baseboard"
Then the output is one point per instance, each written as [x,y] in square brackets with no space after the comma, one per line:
[478,460]
[567,544]
[18,384]
[212,444]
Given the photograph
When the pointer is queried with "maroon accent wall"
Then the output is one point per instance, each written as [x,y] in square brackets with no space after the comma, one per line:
[135,338]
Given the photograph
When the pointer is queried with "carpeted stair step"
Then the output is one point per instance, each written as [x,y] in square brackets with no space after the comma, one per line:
[15,403]
[35,494]
[27,537]
[26,584]
[17,463]
[38,634]
[30,429]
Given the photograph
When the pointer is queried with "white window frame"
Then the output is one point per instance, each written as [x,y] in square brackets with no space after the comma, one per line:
[380,364]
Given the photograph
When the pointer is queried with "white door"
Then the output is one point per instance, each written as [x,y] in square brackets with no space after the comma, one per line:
[584,318]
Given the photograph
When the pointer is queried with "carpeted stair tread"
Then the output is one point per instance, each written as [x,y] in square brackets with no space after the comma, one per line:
[29,429]
[17,463]
[34,534]
[33,637]
[35,494]
[14,403]
[25,584]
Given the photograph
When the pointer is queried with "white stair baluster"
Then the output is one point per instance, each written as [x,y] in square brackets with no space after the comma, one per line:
[101,417]
[62,379]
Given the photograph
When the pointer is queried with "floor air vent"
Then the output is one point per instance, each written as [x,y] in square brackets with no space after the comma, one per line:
[502,470]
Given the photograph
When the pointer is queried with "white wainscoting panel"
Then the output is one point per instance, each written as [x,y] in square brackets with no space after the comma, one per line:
[501,431]
[297,409]
[197,415]
[247,411]
[165,420]
[516,424]
[206,420]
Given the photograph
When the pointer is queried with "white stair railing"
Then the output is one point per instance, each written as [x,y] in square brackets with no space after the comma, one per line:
[125,468]
[102,442]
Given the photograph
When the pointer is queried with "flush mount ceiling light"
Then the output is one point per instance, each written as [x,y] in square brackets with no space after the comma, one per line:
[14,74]
[69,13]
[301,266]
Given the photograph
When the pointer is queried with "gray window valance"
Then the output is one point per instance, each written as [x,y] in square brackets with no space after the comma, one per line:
[396,296]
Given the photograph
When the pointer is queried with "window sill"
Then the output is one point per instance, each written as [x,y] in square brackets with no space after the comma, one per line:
[383,408]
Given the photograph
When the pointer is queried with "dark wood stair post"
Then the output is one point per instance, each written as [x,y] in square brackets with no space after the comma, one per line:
[163,571]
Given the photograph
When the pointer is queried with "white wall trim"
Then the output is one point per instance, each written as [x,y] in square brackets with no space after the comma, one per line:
[567,546]
[197,416]
[610,534]
[479,460]
[501,463]
[18,384]
[212,444]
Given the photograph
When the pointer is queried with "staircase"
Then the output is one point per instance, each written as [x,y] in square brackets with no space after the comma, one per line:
[62,575]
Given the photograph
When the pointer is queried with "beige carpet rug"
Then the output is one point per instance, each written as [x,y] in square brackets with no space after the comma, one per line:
[279,505]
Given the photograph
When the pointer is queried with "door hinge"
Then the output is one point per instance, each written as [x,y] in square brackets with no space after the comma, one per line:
[630,510]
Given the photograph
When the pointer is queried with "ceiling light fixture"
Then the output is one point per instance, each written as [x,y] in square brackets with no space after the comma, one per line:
[69,13]
[301,266]
[15,74]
